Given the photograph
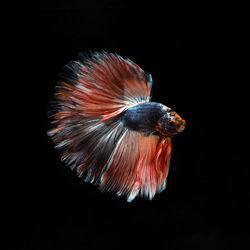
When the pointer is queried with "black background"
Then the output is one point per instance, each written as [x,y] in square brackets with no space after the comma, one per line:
[197,53]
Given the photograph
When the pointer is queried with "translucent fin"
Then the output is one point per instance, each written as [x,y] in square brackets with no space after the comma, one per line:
[113,157]
[138,166]
[87,126]
[86,144]
[103,85]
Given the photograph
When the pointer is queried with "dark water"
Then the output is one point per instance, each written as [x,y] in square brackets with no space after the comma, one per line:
[198,56]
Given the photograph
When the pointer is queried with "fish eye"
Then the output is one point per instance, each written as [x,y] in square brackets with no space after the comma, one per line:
[171,123]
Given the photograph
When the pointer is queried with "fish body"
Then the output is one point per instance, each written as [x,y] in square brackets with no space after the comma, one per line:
[143,117]
[152,118]
[106,128]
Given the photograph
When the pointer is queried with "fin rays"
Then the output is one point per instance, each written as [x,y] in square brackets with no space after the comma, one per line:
[104,85]
[87,127]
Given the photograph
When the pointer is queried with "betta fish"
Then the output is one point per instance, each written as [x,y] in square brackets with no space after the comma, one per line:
[106,128]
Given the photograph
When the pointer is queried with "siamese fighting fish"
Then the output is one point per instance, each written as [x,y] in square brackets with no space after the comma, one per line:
[106,128]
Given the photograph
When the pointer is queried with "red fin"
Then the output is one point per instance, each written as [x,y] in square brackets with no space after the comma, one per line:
[87,128]
[108,154]
[103,85]
[88,100]
[139,166]
[86,144]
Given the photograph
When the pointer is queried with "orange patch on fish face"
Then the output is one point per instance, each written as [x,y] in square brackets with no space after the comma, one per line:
[182,125]
[171,125]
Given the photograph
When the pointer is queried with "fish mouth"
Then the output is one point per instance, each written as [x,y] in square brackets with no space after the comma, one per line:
[181,126]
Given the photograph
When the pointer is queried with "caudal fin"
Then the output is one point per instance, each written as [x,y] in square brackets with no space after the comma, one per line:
[86,126]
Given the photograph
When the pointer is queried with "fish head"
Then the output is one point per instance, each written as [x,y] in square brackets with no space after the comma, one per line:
[171,123]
